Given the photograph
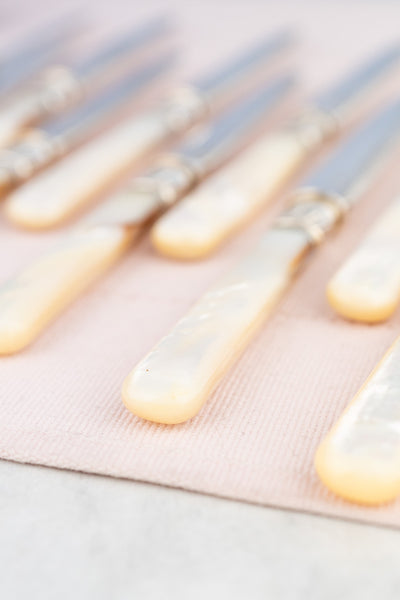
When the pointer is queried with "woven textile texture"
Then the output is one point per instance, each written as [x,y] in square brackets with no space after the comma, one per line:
[255,439]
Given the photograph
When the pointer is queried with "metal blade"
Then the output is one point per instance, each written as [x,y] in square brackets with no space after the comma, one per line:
[85,117]
[340,97]
[33,54]
[230,74]
[227,130]
[355,159]
[130,42]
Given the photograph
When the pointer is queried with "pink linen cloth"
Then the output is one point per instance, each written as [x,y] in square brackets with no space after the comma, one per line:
[255,439]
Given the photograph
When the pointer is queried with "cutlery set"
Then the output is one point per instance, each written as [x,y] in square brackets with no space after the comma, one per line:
[63,145]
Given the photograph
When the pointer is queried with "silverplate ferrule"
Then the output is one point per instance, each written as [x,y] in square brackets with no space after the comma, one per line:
[20,161]
[168,180]
[146,196]
[314,212]
[58,88]
[313,127]
[185,107]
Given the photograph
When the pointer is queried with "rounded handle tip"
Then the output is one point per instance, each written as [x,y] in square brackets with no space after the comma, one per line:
[167,409]
[359,480]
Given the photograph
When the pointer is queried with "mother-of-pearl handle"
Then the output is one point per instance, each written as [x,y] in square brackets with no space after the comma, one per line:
[64,189]
[359,459]
[367,287]
[173,381]
[38,294]
[210,214]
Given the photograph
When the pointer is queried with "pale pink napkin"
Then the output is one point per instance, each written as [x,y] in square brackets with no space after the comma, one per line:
[255,439]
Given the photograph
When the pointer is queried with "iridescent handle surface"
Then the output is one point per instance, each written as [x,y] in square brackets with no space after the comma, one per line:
[367,287]
[66,188]
[173,381]
[203,220]
[40,292]
[359,459]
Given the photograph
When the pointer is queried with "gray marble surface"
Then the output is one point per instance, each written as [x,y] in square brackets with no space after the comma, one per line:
[68,535]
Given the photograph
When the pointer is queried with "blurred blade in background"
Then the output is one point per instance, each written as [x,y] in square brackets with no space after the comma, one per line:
[229,76]
[42,146]
[120,47]
[60,87]
[33,54]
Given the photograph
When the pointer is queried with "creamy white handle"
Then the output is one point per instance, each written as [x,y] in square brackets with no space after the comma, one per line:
[36,296]
[367,287]
[173,381]
[359,459]
[63,190]
[206,217]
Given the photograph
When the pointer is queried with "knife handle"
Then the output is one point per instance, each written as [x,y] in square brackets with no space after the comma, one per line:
[56,89]
[67,187]
[367,286]
[203,220]
[171,384]
[359,459]
[40,292]
[22,160]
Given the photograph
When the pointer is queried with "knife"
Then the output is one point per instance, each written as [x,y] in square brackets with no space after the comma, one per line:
[206,218]
[58,87]
[171,384]
[58,193]
[32,55]
[44,289]
[41,146]
[366,288]
[359,459]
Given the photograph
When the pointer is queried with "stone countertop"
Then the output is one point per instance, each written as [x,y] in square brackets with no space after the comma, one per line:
[69,535]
